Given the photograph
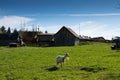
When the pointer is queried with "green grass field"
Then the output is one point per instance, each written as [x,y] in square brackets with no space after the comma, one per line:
[94,61]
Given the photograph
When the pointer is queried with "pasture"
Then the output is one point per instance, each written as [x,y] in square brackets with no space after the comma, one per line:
[94,61]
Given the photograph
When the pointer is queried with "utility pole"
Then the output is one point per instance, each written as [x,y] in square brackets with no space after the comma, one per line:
[38,28]
[21,24]
[79,29]
[33,28]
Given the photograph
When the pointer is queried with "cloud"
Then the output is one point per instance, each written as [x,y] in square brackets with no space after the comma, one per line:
[43,28]
[95,29]
[14,21]
[91,15]
[87,28]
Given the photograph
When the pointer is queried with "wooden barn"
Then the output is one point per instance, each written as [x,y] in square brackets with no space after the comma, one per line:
[66,37]
[46,39]
[98,39]
[29,37]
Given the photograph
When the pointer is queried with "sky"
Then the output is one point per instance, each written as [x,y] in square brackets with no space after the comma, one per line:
[93,18]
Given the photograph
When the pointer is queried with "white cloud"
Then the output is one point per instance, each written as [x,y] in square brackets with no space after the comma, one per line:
[49,28]
[95,14]
[87,28]
[13,21]
[96,29]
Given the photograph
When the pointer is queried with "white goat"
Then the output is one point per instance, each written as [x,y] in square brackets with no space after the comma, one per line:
[61,59]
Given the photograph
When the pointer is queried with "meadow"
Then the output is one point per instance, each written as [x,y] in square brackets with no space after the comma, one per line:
[93,61]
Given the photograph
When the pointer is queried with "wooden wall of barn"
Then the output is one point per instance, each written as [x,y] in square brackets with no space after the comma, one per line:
[65,38]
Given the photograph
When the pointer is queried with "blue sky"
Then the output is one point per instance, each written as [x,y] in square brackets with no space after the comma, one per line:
[86,17]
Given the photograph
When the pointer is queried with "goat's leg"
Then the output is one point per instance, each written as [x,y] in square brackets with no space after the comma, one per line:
[57,63]
[61,65]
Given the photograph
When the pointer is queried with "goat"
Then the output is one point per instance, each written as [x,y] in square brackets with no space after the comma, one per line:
[61,59]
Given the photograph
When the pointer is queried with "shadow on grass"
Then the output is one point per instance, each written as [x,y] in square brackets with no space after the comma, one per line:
[93,69]
[54,68]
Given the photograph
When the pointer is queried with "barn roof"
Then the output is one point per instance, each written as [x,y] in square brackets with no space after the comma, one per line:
[46,37]
[46,34]
[70,30]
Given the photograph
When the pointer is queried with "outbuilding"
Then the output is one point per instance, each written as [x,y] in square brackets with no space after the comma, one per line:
[66,37]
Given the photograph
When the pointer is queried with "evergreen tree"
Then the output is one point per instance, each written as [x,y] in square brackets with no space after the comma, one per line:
[9,31]
[3,29]
[46,31]
[15,32]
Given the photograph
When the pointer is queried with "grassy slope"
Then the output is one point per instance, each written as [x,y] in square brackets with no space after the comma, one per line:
[87,62]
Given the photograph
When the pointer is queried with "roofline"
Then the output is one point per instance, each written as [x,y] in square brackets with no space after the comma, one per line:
[70,30]
[46,34]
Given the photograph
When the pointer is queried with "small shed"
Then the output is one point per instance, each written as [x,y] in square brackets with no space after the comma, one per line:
[98,39]
[46,39]
[29,37]
[66,37]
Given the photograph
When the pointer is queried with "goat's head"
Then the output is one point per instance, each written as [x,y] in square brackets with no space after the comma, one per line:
[67,55]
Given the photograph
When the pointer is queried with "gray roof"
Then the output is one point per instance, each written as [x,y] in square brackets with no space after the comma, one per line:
[70,30]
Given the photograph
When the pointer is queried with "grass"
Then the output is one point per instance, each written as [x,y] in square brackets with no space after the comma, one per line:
[94,61]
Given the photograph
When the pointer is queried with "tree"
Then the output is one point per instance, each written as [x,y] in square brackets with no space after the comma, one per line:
[15,32]
[9,31]
[46,31]
[3,29]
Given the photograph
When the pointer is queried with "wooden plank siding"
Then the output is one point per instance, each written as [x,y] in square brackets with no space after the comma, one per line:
[46,39]
[66,37]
